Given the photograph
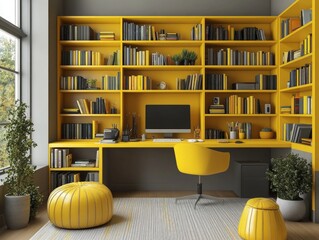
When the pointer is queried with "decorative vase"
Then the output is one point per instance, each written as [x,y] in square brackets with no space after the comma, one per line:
[17,211]
[292,210]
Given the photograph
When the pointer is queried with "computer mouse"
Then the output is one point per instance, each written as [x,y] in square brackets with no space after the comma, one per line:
[200,140]
[238,141]
[192,140]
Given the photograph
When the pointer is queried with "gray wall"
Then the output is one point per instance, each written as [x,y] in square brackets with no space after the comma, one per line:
[278,6]
[167,7]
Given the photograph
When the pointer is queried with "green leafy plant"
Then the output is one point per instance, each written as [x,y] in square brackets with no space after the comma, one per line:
[19,179]
[91,83]
[177,58]
[192,56]
[290,176]
[266,130]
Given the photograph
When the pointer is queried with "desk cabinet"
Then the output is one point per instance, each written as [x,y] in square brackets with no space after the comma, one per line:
[251,179]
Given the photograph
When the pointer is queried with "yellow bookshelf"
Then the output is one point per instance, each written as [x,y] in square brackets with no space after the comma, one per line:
[183,32]
[293,41]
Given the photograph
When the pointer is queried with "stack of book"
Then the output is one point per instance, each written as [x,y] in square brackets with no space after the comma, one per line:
[84,163]
[306,141]
[216,109]
[107,36]
[285,109]
[172,36]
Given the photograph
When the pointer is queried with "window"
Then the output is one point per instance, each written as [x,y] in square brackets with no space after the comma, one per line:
[10,49]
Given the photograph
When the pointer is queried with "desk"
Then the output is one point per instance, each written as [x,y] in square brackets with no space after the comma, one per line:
[151,165]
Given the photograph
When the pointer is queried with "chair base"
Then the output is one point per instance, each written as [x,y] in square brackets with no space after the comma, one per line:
[198,197]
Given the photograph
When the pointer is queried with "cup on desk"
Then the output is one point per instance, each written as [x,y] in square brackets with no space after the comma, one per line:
[232,134]
[241,135]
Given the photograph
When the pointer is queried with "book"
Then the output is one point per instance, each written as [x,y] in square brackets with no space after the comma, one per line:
[108,141]
[306,16]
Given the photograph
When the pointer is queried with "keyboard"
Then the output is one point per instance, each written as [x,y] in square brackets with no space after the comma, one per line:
[167,140]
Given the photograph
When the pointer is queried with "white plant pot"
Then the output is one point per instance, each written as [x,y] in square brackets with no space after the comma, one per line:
[17,211]
[292,210]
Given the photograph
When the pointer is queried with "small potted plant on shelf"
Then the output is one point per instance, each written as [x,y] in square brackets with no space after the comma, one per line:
[22,197]
[192,56]
[177,58]
[91,83]
[266,133]
[185,57]
[290,177]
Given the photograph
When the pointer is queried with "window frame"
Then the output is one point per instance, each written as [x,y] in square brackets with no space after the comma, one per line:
[23,51]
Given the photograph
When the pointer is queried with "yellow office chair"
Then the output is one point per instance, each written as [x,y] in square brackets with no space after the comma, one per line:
[198,160]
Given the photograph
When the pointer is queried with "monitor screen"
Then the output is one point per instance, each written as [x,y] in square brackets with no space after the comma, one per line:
[167,119]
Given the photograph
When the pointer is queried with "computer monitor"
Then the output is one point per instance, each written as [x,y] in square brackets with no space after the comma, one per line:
[167,119]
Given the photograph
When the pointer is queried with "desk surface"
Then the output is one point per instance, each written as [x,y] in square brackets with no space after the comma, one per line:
[212,143]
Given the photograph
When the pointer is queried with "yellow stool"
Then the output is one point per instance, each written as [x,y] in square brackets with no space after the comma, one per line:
[262,220]
[80,205]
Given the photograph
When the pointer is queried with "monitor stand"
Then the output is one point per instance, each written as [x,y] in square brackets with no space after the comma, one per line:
[168,135]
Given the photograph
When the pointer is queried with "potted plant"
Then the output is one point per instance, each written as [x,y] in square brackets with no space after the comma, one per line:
[192,56]
[177,58]
[290,177]
[266,133]
[91,83]
[185,57]
[22,197]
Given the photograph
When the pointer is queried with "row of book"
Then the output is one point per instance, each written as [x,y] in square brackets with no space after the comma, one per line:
[159,59]
[191,82]
[214,32]
[77,131]
[137,82]
[133,56]
[305,48]
[73,83]
[232,57]
[114,58]
[266,81]
[111,82]
[196,33]
[81,58]
[108,82]
[300,76]
[133,31]
[294,132]
[216,81]
[99,106]
[235,104]
[291,24]
[61,178]
[301,105]
[211,133]
[62,158]
[77,32]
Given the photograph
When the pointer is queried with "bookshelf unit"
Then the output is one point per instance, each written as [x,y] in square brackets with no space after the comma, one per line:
[135,59]
[297,76]
[134,66]
[305,86]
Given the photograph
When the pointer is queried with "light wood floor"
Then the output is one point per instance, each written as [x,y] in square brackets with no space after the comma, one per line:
[296,230]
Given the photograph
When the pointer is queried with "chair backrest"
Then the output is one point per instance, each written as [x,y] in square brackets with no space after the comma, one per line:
[199,160]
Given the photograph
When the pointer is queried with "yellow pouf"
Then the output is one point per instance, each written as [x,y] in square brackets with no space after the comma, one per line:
[80,205]
[262,220]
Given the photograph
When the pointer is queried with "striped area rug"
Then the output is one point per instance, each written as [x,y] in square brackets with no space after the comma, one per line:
[160,219]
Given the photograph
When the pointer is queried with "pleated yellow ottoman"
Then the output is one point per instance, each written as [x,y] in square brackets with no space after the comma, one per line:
[262,220]
[80,205]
